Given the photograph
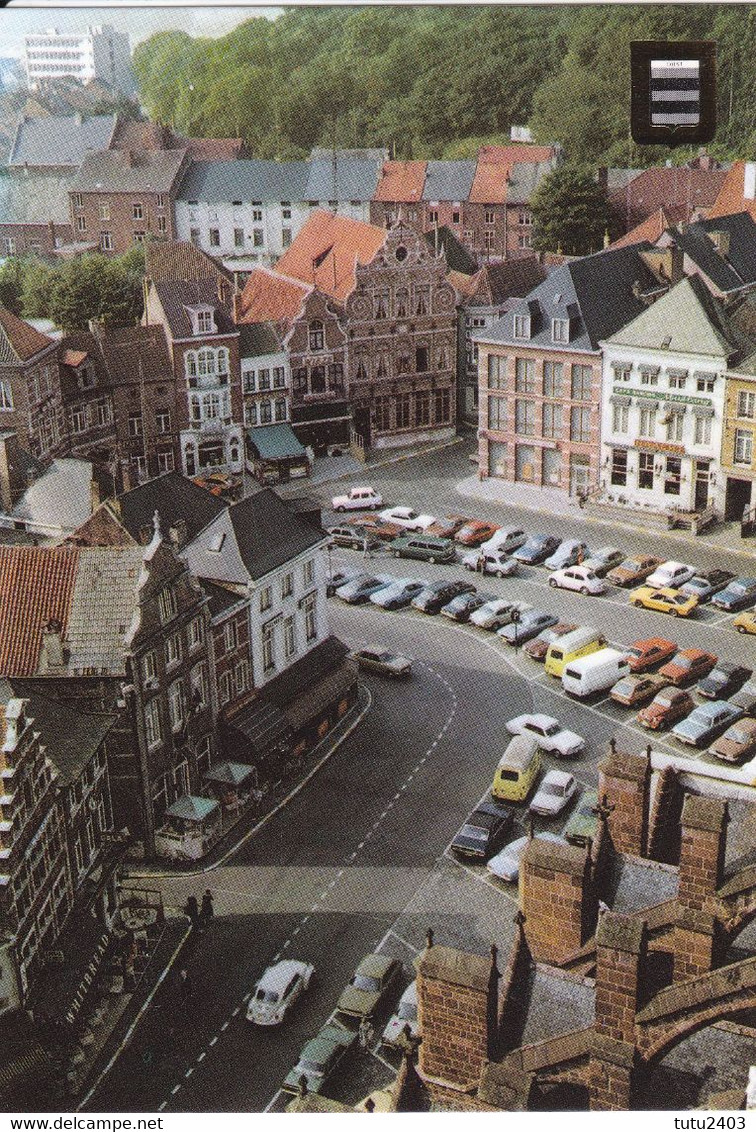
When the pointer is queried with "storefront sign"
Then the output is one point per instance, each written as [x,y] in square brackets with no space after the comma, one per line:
[657,395]
[660,446]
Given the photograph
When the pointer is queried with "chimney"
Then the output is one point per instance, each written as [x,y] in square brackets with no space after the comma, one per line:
[624,783]
[702,852]
[177,533]
[721,241]
[620,957]
[749,181]
[557,898]
[52,658]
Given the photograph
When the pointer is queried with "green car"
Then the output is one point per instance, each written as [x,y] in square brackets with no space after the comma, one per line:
[583,825]
[426,547]
[319,1058]
[371,982]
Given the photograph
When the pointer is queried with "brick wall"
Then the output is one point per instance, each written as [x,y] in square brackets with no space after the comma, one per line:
[624,779]
[457,1015]
[557,898]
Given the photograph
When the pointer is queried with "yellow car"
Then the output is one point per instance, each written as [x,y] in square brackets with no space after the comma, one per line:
[745,622]
[664,600]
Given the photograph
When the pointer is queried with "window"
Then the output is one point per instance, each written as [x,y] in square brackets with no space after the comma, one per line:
[279,377]
[195,633]
[649,378]
[285,237]
[104,210]
[308,572]
[290,643]
[241,673]
[522,326]
[646,470]
[525,375]
[619,467]
[268,644]
[580,425]
[238,237]
[176,705]
[280,409]
[677,381]
[421,359]
[382,414]
[194,236]
[286,209]
[249,381]
[525,417]
[433,216]
[672,475]
[173,649]
[402,302]
[746,404]
[620,419]
[581,383]
[422,299]
[702,434]
[135,424]
[553,373]
[78,420]
[525,218]
[163,421]
[264,379]
[382,303]
[230,636]
[266,598]
[560,330]
[422,407]
[81,223]
[497,371]
[647,423]
[137,212]
[622,373]
[10,245]
[149,666]
[139,468]
[441,405]
[705,384]
[336,376]
[79,200]
[675,427]
[152,729]
[455,216]
[257,215]
[299,380]
[225,687]
[287,585]
[266,412]
[165,462]
[743,446]
[552,421]
[316,335]
[205,323]
[160,200]
[308,607]
[250,414]
[258,238]
[490,216]
[214,238]
[167,604]
[403,406]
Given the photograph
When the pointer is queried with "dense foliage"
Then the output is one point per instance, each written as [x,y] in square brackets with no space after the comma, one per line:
[432,81]
[570,211]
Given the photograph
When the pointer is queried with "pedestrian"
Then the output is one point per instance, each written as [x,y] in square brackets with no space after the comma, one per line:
[365,1034]
[480,564]
[191,909]
[207,905]
[580,556]
[185,987]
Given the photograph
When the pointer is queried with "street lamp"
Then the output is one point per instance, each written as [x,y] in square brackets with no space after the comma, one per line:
[516,622]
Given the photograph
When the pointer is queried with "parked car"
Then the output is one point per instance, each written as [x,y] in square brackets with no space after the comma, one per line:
[340,578]
[579,578]
[597,672]
[724,680]
[739,594]
[221,485]
[664,600]
[378,528]
[320,1058]
[666,708]
[706,722]
[634,569]
[637,689]
[448,526]
[706,583]
[506,864]
[582,826]
[405,1016]
[536,549]
[461,607]
[603,560]
[277,989]
[426,547]
[555,791]
[570,552]
[376,659]
[398,594]
[642,655]
[407,518]
[745,622]
[475,532]
[361,587]
[498,612]
[484,832]
[688,665]
[539,646]
[529,625]
[369,986]
[438,594]
[738,742]
[671,575]
[493,562]
[507,539]
[354,538]
[551,736]
[746,697]
[358,499]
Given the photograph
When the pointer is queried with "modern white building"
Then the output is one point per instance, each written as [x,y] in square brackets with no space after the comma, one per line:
[100,53]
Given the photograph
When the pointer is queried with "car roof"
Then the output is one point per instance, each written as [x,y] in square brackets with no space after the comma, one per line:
[324,1040]
[492,809]
[650,642]
[560,776]
[277,978]
[375,966]
[541,719]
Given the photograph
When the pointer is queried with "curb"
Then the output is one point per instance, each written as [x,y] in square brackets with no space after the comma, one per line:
[414,455]
[271,813]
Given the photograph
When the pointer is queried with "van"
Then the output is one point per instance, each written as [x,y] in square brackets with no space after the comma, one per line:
[595,673]
[506,539]
[517,770]
[580,642]
[427,547]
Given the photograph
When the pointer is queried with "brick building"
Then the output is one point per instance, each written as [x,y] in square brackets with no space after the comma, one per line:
[31,403]
[685,192]
[41,239]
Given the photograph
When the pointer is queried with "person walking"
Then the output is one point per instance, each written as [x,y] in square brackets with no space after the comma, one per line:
[185,987]
[191,909]
[207,905]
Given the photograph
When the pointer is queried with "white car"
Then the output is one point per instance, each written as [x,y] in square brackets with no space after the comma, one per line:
[406,1015]
[555,791]
[494,562]
[580,578]
[496,613]
[671,574]
[506,864]
[358,499]
[407,518]
[506,539]
[277,989]
[552,738]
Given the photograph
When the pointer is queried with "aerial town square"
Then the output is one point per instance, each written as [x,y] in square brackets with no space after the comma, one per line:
[378,560]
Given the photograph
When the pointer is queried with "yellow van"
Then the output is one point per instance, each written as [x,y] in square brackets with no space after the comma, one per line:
[517,770]
[572,646]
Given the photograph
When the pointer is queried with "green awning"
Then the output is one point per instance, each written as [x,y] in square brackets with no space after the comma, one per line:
[229,773]
[275,442]
[192,808]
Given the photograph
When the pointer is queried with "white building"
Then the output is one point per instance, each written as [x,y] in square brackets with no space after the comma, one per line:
[100,53]
[663,403]
[265,375]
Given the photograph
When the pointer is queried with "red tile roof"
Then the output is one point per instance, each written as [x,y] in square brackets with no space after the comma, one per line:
[213,149]
[326,251]
[730,198]
[676,187]
[401,181]
[464,284]
[509,154]
[36,585]
[21,338]
[495,163]
[269,297]
[649,229]
[73,358]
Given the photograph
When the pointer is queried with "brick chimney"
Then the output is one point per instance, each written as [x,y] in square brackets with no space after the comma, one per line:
[624,781]
[557,898]
[457,1004]
[620,957]
[702,852]
[52,658]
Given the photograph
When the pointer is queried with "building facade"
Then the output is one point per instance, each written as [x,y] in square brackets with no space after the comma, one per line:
[738,458]
[101,53]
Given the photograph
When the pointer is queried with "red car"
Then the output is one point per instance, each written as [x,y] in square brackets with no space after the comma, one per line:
[447,527]
[667,707]
[378,527]
[643,655]
[688,666]
[475,531]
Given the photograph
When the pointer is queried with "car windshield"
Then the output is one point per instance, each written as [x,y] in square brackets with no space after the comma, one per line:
[408,1011]
[624,686]
[382,656]
[553,788]
[737,736]
[680,599]
[629,564]
[474,832]
[310,1066]
[682,662]
[698,584]
[551,729]
[665,699]
[266,995]
[366,983]
[736,588]
[718,676]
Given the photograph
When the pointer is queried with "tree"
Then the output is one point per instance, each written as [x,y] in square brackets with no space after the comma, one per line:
[11,283]
[571,211]
[35,292]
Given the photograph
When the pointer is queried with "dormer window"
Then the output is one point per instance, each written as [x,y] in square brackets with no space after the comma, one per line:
[560,330]
[202,319]
[522,326]
[205,322]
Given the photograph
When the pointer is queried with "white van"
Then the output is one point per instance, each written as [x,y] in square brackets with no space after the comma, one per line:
[506,539]
[595,673]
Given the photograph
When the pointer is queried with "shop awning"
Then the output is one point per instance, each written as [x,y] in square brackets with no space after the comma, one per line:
[320,694]
[192,808]
[230,773]
[275,442]
[262,725]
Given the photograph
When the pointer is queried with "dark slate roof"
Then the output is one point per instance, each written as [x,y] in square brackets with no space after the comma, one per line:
[599,288]
[314,665]
[448,180]
[132,171]
[268,534]
[741,255]
[219,598]
[175,498]
[275,442]
[245,181]
[346,178]
[458,258]
[60,141]
[176,295]
[72,738]
[257,339]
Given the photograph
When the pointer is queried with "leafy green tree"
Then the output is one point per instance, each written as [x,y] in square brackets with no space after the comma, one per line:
[11,284]
[37,283]
[570,211]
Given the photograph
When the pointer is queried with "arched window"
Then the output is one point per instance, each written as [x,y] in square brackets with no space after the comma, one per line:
[402,302]
[316,335]
[222,360]
[206,362]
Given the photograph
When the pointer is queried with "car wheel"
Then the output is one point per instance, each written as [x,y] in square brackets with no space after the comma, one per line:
[742,629]
[637,604]
[553,582]
[673,613]
[499,573]
[432,561]
[397,554]
[341,510]
[584,589]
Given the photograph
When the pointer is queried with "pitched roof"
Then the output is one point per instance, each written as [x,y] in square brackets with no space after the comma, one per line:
[175,498]
[458,258]
[60,500]
[179,259]
[448,180]
[464,284]
[669,187]
[698,247]
[72,738]
[60,141]
[18,340]
[102,528]
[741,229]
[519,151]
[509,172]
[269,297]
[244,180]
[341,177]
[211,149]
[649,229]
[219,598]
[132,353]
[731,196]
[102,607]
[258,339]
[36,586]
[326,251]
[401,181]
[514,278]
[176,295]
[129,171]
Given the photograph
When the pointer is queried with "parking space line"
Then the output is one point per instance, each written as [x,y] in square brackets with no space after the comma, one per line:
[405,942]
[201,1057]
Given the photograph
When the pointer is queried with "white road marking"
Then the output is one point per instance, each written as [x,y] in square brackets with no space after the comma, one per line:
[174,1090]
[213,1040]
[201,1057]
[189,1071]
[162,1106]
